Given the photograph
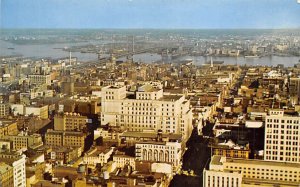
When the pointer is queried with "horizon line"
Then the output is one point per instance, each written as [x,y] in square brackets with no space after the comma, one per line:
[150,28]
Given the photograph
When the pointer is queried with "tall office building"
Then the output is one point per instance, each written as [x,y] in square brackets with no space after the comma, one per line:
[147,109]
[282,137]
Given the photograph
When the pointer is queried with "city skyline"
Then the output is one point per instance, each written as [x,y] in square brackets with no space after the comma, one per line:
[178,14]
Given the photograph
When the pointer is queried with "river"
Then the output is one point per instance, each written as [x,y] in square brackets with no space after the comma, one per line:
[55,51]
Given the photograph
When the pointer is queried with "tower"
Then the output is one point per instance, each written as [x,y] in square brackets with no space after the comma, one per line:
[132,44]
[70,57]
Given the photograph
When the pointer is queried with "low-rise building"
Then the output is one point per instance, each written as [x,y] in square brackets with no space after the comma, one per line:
[110,136]
[65,155]
[24,141]
[123,160]
[6,175]
[37,110]
[65,138]
[130,138]
[5,145]
[8,127]
[230,149]
[40,79]
[159,151]
[97,155]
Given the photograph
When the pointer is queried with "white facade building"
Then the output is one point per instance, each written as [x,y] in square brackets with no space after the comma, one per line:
[167,152]
[19,172]
[217,177]
[18,163]
[122,160]
[282,137]
[235,172]
[149,110]
[97,156]
[17,109]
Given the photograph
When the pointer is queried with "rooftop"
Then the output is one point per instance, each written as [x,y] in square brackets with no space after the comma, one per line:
[151,135]
[170,97]
[219,160]
[4,123]
[66,133]
[262,162]
[147,88]
[216,160]
[4,167]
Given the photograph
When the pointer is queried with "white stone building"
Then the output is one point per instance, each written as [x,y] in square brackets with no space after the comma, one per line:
[147,109]
[158,151]
[235,172]
[97,155]
[282,137]
[18,163]
[122,160]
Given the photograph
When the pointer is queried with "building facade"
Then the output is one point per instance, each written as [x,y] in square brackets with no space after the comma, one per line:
[215,178]
[39,111]
[168,152]
[8,127]
[282,137]
[123,160]
[230,149]
[250,172]
[40,79]
[6,175]
[17,162]
[149,109]
[65,138]
[4,109]
[69,122]
[97,155]
[24,141]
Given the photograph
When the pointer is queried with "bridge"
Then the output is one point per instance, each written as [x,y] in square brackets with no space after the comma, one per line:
[92,63]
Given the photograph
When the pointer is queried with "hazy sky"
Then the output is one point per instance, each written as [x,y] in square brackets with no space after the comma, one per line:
[150,14]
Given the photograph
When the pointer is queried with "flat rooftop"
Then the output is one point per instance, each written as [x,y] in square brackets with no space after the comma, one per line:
[66,133]
[217,160]
[264,182]
[150,135]
[4,167]
[147,88]
[262,162]
[170,97]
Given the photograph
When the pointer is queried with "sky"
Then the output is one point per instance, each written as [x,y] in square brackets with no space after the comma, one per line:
[170,14]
